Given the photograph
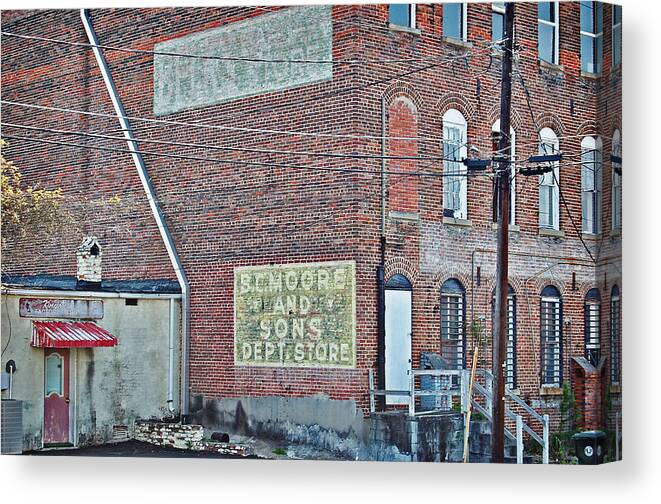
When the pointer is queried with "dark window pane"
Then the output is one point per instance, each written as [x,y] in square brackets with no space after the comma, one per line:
[546,42]
[452,20]
[587,54]
[599,16]
[400,14]
[617,45]
[546,11]
[617,14]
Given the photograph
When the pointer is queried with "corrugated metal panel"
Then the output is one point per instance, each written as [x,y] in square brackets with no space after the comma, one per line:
[51,334]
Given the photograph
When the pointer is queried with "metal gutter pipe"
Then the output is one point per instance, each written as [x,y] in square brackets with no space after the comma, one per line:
[153,204]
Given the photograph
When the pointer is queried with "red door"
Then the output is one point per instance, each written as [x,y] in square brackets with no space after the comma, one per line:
[56,396]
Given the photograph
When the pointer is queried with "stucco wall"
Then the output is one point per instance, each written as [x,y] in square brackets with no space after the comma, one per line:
[109,386]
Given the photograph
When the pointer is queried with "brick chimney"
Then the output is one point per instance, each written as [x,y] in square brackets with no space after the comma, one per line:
[88,256]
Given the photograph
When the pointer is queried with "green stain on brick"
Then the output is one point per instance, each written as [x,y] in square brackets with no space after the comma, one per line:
[297,33]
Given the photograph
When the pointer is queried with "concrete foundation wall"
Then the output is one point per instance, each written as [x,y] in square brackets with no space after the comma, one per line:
[109,386]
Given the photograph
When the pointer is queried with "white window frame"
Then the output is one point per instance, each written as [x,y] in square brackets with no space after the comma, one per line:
[616,183]
[547,136]
[500,10]
[464,22]
[556,33]
[591,143]
[496,129]
[411,16]
[616,27]
[595,36]
[455,120]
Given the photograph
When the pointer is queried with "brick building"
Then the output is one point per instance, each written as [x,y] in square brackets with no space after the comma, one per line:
[426,75]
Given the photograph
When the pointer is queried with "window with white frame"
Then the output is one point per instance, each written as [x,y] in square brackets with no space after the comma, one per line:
[591,168]
[455,20]
[616,169]
[497,21]
[549,191]
[548,31]
[495,129]
[593,326]
[402,15]
[454,171]
[592,45]
[551,337]
[617,34]
[453,329]
[615,335]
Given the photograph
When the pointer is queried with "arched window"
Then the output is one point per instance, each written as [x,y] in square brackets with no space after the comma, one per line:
[454,152]
[593,326]
[549,191]
[398,329]
[616,168]
[551,337]
[453,316]
[495,129]
[591,184]
[615,331]
[510,360]
[399,282]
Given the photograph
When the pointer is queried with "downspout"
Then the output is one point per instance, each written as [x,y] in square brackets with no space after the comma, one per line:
[171,338]
[153,204]
[380,270]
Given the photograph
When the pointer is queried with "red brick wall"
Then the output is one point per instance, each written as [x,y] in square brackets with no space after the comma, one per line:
[223,216]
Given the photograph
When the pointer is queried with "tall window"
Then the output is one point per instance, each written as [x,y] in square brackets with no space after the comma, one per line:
[497,21]
[592,46]
[402,15]
[549,191]
[496,138]
[617,35]
[455,20]
[551,337]
[453,315]
[548,31]
[615,330]
[454,151]
[616,169]
[591,165]
[510,359]
[593,326]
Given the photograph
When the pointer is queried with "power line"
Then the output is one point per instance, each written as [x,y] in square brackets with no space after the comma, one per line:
[214,57]
[526,94]
[233,161]
[227,148]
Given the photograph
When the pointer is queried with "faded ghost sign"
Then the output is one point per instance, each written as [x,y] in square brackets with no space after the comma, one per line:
[295,315]
[296,33]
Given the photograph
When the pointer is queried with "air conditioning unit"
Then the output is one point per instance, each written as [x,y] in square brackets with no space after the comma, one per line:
[11,428]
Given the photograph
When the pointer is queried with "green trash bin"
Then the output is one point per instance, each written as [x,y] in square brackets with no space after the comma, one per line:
[590,447]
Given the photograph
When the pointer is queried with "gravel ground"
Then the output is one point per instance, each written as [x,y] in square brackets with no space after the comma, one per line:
[132,449]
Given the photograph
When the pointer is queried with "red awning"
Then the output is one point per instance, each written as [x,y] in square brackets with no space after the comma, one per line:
[50,334]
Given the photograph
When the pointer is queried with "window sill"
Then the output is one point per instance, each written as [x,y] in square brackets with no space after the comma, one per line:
[550,390]
[616,388]
[460,43]
[591,236]
[404,29]
[513,228]
[591,75]
[553,233]
[453,221]
[616,233]
[551,67]
[404,216]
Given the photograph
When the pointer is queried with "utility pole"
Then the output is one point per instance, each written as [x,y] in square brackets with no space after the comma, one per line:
[499,347]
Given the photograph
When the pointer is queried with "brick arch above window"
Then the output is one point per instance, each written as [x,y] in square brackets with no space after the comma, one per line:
[400,89]
[401,266]
[455,101]
[550,120]
[541,283]
[515,120]
[452,273]
[588,128]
